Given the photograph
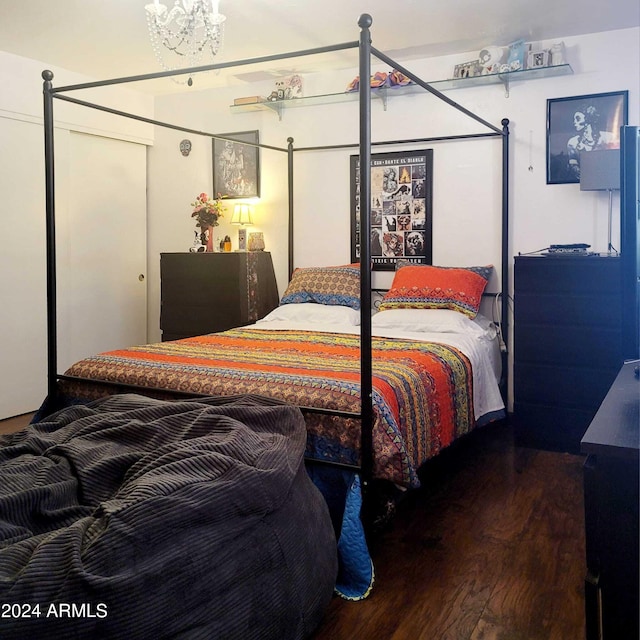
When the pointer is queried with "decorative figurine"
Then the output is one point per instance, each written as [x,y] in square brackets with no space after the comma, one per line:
[197,246]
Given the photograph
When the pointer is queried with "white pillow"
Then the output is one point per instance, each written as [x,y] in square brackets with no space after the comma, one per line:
[314,313]
[433,320]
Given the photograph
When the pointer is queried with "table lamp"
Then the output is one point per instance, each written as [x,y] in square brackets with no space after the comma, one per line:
[242,215]
[600,171]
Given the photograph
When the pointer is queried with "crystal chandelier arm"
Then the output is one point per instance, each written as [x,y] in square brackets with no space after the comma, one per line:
[189,31]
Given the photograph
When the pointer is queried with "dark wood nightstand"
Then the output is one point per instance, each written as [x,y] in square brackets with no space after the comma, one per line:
[210,292]
[567,345]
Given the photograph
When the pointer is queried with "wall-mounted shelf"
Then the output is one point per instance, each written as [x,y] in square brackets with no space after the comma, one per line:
[384,93]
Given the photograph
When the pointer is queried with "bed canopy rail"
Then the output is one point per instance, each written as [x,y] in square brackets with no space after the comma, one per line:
[364,146]
[209,67]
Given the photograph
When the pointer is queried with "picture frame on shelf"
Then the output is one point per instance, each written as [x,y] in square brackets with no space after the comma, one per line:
[467,69]
[517,57]
[401,208]
[236,165]
[579,124]
[538,58]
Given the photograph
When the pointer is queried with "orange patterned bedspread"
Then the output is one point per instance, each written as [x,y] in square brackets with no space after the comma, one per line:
[422,391]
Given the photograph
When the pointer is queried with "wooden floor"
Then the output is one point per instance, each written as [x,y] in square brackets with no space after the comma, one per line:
[491,549]
[15,424]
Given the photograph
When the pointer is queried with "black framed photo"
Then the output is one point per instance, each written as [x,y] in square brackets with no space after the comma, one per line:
[581,124]
[236,166]
[401,208]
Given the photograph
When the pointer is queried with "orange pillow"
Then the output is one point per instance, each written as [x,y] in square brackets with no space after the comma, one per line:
[425,287]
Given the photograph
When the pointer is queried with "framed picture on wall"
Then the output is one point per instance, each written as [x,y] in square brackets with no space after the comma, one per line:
[401,208]
[236,165]
[580,124]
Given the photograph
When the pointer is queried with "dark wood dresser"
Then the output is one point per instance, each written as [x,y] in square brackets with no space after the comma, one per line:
[611,499]
[567,345]
[210,292]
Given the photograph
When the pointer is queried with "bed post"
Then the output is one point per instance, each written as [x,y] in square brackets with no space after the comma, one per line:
[52,347]
[504,315]
[366,369]
[290,191]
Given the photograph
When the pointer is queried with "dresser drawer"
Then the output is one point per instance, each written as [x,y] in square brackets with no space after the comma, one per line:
[586,346]
[561,385]
[580,309]
[575,276]
[198,319]
[550,426]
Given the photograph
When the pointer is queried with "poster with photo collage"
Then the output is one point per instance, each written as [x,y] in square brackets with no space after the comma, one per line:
[401,208]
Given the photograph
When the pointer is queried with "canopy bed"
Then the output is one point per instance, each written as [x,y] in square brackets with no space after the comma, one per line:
[380,394]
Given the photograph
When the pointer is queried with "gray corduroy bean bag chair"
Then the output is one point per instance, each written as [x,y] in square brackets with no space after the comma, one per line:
[138,518]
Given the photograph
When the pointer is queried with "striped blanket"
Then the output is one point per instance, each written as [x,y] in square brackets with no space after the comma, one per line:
[422,392]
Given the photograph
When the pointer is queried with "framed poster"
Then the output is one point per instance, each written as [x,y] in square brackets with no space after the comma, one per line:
[581,124]
[236,166]
[401,208]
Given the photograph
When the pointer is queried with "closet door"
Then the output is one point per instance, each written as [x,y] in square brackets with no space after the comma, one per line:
[23,295]
[101,240]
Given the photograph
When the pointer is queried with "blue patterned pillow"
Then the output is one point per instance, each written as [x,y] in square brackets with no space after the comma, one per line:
[325,285]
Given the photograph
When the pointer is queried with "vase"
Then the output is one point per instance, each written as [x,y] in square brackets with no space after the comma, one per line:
[206,238]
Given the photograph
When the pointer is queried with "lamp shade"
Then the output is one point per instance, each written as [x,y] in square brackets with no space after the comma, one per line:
[600,170]
[241,214]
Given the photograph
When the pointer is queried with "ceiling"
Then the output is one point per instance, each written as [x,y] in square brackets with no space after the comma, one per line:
[108,38]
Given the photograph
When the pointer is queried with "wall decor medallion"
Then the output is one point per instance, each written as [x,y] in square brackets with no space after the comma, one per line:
[185,147]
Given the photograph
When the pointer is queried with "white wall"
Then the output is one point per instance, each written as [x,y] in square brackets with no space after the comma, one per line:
[466,175]
[467,186]
[23,341]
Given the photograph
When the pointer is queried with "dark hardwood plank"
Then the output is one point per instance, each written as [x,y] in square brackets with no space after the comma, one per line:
[11,425]
[492,547]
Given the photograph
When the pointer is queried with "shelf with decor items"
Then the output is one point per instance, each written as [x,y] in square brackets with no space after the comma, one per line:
[208,292]
[384,93]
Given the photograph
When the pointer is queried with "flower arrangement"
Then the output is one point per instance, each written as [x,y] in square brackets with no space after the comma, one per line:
[207,211]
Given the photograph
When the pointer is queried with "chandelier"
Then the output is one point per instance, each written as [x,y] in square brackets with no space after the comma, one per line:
[186,35]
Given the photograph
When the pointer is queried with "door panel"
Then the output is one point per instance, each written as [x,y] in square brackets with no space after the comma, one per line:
[102,248]
[23,296]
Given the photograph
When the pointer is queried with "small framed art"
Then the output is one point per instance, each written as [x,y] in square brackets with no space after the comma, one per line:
[467,69]
[580,124]
[537,59]
[236,165]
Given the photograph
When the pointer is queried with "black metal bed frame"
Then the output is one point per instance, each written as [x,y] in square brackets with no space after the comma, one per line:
[366,50]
